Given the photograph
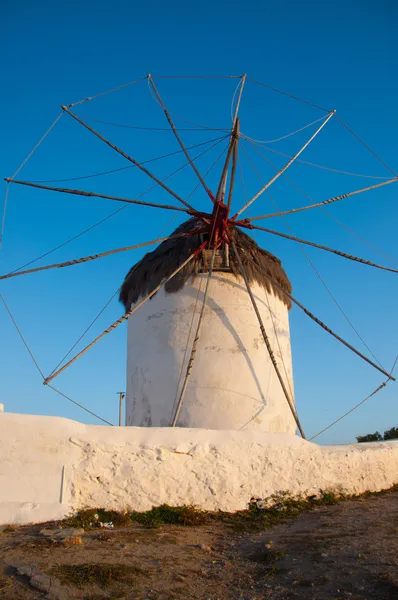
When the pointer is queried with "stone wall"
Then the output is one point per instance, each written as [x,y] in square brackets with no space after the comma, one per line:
[50,466]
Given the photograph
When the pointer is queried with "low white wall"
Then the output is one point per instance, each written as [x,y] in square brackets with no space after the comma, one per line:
[131,467]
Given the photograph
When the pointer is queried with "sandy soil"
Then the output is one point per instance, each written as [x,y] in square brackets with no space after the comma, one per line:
[348,550]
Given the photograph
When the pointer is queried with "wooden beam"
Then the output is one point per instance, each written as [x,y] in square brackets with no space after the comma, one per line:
[234,161]
[318,321]
[179,140]
[319,246]
[267,342]
[127,157]
[119,321]
[95,195]
[226,164]
[84,259]
[287,165]
[195,342]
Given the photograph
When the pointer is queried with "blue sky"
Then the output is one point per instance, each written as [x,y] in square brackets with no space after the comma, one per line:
[341,56]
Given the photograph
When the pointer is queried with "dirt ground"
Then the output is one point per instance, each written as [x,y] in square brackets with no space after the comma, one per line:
[348,550]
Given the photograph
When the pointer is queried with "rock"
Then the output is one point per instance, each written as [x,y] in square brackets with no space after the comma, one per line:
[58,594]
[72,532]
[203,547]
[69,536]
[41,582]
[72,541]
[27,570]
[48,532]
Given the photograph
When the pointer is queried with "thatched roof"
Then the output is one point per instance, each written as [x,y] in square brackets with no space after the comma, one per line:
[161,262]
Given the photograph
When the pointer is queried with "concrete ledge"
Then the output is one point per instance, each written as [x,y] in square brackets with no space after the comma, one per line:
[51,465]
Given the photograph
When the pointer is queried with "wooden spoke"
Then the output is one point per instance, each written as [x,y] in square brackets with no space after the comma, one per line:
[77,261]
[242,85]
[324,203]
[127,157]
[267,342]
[319,246]
[318,321]
[195,342]
[233,169]
[95,195]
[179,140]
[287,165]
[122,319]
[223,177]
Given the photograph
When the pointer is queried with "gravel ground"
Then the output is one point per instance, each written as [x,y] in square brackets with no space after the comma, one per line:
[348,550]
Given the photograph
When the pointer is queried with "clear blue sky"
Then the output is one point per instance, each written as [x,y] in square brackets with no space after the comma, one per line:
[340,55]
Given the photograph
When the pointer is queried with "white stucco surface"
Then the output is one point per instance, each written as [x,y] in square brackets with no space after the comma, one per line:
[233,383]
[137,468]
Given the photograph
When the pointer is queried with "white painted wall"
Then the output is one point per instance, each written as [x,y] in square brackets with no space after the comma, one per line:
[136,468]
[233,383]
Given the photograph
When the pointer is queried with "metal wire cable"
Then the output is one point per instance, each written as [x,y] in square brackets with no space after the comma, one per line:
[79,405]
[333,218]
[381,386]
[233,100]
[306,162]
[248,138]
[201,128]
[3,219]
[144,162]
[119,87]
[177,116]
[39,369]
[86,331]
[321,279]
[367,147]
[288,95]
[22,337]
[196,76]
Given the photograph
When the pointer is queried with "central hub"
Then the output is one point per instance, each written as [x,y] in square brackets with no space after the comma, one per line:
[218,225]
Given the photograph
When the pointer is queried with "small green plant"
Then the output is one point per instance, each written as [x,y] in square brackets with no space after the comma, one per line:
[329,497]
[169,515]
[260,514]
[92,517]
[9,529]
[101,574]
[278,508]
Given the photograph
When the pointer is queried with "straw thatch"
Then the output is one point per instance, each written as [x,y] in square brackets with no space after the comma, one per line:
[159,264]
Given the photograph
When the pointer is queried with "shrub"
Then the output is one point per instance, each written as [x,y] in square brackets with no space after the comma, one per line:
[370,437]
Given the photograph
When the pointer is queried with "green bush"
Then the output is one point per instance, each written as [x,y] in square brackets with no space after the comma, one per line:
[389,434]
[370,437]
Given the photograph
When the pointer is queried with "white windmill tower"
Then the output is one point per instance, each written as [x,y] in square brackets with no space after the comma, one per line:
[234,384]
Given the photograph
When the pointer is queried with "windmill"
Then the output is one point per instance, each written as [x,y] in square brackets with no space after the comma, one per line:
[207,310]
